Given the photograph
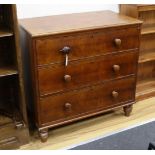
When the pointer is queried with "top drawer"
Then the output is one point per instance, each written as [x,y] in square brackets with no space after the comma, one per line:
[86,44]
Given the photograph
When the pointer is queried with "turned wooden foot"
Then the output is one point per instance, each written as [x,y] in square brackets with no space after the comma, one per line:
[43,135]
[127,110]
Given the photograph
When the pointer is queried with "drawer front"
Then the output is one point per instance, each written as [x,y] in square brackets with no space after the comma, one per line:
[87,100]
[51,49]
[56,78]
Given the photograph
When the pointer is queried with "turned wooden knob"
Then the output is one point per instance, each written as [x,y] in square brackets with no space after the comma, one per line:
[68,106]
[65,49]
[116,68]
[67,78]
[118,42]
[115,94]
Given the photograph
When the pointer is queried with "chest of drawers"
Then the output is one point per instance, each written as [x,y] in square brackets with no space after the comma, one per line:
[81,65]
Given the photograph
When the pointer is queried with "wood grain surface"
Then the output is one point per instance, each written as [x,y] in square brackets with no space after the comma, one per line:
[89,61]
[57,24]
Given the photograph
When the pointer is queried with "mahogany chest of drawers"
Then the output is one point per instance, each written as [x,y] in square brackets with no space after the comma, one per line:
[81,65]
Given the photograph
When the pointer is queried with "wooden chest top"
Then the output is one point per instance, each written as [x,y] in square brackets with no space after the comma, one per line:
[57,24]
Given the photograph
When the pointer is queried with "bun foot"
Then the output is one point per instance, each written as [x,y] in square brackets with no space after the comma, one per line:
[43,135]
[127,110]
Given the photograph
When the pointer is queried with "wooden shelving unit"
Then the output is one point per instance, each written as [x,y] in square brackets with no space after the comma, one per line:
[5,120]
[146,68]
[148,30]
[13,116]
[5,33]
[147,56]
[7,71]
[146,88]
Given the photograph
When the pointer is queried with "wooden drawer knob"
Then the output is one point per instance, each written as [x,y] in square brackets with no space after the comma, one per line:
[118,42]
[115,94]
[67,78]
[116,68]
[65,49]
[68,106]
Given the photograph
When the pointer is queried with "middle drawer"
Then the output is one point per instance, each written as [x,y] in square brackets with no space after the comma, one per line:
[58,78]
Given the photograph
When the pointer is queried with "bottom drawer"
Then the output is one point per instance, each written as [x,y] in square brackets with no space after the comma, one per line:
[73,104]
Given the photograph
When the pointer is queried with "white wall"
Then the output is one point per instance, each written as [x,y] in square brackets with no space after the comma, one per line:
[35,10]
